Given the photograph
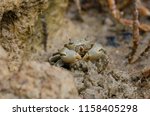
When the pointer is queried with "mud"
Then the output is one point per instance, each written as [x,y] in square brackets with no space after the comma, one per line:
[34,77]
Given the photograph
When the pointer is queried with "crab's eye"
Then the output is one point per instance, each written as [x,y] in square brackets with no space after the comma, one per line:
[100,50]
[65,45]
[70,43]
[92,45]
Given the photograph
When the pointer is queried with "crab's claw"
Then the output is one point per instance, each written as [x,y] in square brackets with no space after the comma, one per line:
[94,53]
[69,56]
[78,57]
[86,57]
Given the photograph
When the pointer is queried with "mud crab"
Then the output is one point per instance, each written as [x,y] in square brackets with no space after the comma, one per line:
[80,46]
[78,54]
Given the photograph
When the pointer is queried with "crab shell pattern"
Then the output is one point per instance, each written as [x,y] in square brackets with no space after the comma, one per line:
[78,53]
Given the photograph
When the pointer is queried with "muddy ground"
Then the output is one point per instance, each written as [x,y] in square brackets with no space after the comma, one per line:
[38,79]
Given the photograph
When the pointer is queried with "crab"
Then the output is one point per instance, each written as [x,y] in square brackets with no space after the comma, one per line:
[81,46]
[80,55]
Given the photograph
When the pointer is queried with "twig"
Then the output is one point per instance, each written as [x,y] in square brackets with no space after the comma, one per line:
[143,53]
[112,6]
[146,49]
[142,9]
[136,34]
[126,22]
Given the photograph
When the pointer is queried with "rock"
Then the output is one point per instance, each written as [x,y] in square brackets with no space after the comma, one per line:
[38,80]
[17,20]
[4,75]
[3,53]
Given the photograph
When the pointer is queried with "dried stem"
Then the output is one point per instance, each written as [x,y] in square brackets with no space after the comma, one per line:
[146,49]
[113,8]
[142,9]
[116,14]
[136,34]
[144,52]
